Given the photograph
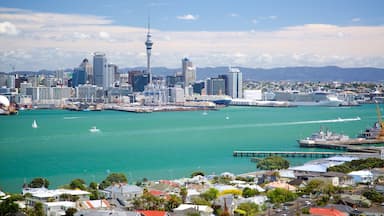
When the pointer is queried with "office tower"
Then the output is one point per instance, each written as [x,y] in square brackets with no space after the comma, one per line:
[189,72]
[99,68]
[88,69]
[138,80]
[109,77]
[215,86]
[148,44]
[235,83]
[79,77]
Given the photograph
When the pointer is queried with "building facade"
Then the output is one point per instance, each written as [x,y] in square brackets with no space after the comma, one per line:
[189,72]
[99,68]
[235,83]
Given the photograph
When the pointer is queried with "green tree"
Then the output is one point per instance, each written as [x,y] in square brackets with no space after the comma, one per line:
[113,178]
[210,194]
[248,192]
[77,184]
[183,194]
[93,186]
[280,195]
[374,196]
[172,202]
[38,183]
[250,208]
[272,163]
[70,212]
[38,209]
[196,173]
[8,207]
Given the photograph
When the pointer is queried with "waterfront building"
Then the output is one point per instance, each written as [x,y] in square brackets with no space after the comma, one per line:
[79,77]
[11,81]
[89,92]
[49,95]
[156,94]
[235,83]
[188,71]
[198,87]
[99,68]
[176,95]
[138,80]
[23,87]
[215,86]
[87,67]
[109,76]
[122,191]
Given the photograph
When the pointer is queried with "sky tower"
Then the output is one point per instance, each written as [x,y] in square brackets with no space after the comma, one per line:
[148,44]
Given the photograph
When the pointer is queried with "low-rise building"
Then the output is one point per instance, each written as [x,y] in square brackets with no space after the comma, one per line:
[122,191]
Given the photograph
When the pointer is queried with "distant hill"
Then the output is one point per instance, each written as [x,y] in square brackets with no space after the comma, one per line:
[315,74]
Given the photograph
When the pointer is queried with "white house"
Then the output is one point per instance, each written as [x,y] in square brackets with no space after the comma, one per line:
[362,176]
[122,191]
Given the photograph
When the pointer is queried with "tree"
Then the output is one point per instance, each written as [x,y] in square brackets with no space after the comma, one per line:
[374,196]
[113,178]
[172,202]
[210,194]
[93,186]
[38,209]
[196,173]
[183,194]
[248,192]
[272,163]
[250,208]
[70,212]
[78,184]
[38,183]
[280,195]
[8,207]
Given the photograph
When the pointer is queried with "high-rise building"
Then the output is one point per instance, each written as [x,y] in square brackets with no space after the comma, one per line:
[79,77]
[235,83]
[138,80]
[109,77]
[189,72]
[148,44]
[215,86]
[99,68]
[88,69]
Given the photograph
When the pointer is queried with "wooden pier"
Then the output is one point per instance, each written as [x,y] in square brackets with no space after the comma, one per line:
[295,154]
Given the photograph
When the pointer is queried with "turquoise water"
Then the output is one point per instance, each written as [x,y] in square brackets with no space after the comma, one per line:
[156,145]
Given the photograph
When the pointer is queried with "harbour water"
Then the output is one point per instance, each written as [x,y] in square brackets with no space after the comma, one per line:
[164,145]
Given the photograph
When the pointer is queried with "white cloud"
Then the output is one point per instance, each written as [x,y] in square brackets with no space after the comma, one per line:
[104,35]
[233,15]
[356,19]
[53,41]
[8,28]
[188,17]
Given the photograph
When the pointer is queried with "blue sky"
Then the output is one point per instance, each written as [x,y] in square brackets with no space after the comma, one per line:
[275,33]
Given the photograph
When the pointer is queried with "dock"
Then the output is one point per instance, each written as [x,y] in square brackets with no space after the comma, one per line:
[296,154]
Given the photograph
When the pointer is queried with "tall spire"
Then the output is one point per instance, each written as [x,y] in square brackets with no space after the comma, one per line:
[148,44]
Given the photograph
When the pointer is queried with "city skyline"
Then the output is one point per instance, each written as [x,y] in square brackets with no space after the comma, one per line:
[261,34]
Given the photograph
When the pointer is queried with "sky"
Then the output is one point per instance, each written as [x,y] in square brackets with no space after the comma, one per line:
[54,34]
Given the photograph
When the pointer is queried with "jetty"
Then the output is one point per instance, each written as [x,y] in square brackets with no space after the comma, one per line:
[297,154]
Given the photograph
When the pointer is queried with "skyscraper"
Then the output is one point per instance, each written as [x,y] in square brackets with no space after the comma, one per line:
[148,44]
[99,68]
[189,72]
[215,86]
[235,83]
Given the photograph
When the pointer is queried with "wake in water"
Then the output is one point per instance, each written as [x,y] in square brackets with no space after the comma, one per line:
[71,117]
[229,126]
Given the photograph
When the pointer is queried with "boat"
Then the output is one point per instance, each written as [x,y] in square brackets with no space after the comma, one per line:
[34,124]
[94,129]
[317,98]
[323,136]
[377,131]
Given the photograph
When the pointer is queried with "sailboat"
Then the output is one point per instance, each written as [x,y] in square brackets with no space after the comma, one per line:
[34,124]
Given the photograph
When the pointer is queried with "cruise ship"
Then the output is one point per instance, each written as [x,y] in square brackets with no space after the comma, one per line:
[318,98]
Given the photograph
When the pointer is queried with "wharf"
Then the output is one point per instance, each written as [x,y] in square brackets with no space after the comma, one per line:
[297,154]
[349,145]
[150,109]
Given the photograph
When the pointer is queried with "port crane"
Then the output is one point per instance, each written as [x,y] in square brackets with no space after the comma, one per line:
[380,121]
